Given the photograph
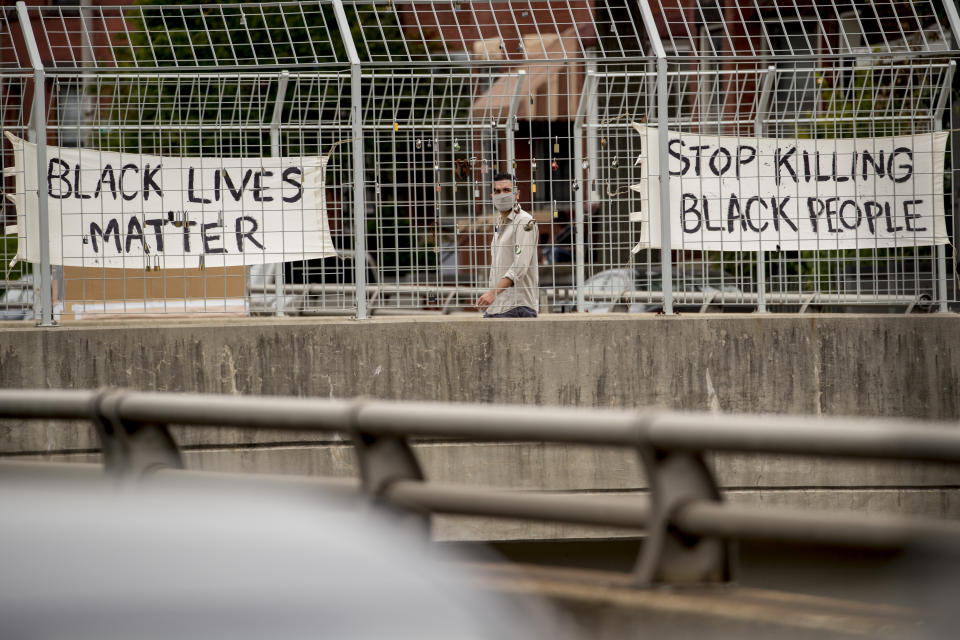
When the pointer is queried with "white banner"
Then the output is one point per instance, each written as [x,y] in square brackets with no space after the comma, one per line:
[750,194]
[129,210]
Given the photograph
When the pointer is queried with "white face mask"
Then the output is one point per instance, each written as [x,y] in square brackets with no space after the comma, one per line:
[503,202]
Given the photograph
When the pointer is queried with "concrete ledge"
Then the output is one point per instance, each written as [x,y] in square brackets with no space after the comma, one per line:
[875,365]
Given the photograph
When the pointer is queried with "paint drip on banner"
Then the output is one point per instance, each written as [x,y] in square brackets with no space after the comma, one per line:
[771,194]
[129,210]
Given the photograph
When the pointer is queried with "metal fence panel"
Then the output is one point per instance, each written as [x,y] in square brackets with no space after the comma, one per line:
[800,71]
[415,106]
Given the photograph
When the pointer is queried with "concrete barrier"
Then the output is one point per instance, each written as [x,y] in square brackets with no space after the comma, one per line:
[866,365]
[843,364]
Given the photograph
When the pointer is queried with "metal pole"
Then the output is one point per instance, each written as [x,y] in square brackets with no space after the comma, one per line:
[666,261]
[579,256]
[359,197]
[938,126]
[953,17]
[889,438]
[279,284]
[592,123]
[511,116]
[954,142]
[40,126]
[663,115]
[762,105]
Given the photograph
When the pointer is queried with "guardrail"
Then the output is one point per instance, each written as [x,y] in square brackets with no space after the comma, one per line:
[381,298]
[689,527]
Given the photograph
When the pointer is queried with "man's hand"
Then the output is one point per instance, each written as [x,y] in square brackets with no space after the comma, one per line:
[486,299]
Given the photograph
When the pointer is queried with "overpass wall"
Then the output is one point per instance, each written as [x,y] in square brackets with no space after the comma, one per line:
[863,365]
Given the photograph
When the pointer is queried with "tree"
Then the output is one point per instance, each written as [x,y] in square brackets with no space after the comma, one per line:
[216,76]
[234,40]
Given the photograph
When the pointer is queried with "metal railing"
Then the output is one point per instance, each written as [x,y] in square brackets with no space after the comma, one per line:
[688,525]
[408,110]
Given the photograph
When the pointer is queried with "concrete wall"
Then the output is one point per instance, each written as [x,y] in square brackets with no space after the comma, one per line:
[843,365]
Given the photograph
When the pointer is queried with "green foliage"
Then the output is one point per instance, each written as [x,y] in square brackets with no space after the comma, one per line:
[208,36]
[8,249]
[188,115]
[221,100]
[229,36]
[859,102]
[180,116]
[399,245]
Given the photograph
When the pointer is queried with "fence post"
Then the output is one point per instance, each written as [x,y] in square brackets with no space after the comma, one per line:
[356,135]
[592,126]
[663,116]
[953,18]
[666,259]
[279,291]
[938,126]
[762,104]
[511,118]
[40,128]
[580,184]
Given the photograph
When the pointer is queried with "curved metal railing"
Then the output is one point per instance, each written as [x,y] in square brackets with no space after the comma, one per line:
[689,526]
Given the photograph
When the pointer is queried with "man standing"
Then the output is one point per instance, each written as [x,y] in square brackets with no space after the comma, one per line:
[513,269]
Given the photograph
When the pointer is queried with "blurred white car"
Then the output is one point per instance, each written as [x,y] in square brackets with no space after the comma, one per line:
[118,561]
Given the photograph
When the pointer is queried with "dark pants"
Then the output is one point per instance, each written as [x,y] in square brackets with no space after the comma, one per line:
[516,312]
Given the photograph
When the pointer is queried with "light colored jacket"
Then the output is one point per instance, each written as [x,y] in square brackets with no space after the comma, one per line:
[514,255]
